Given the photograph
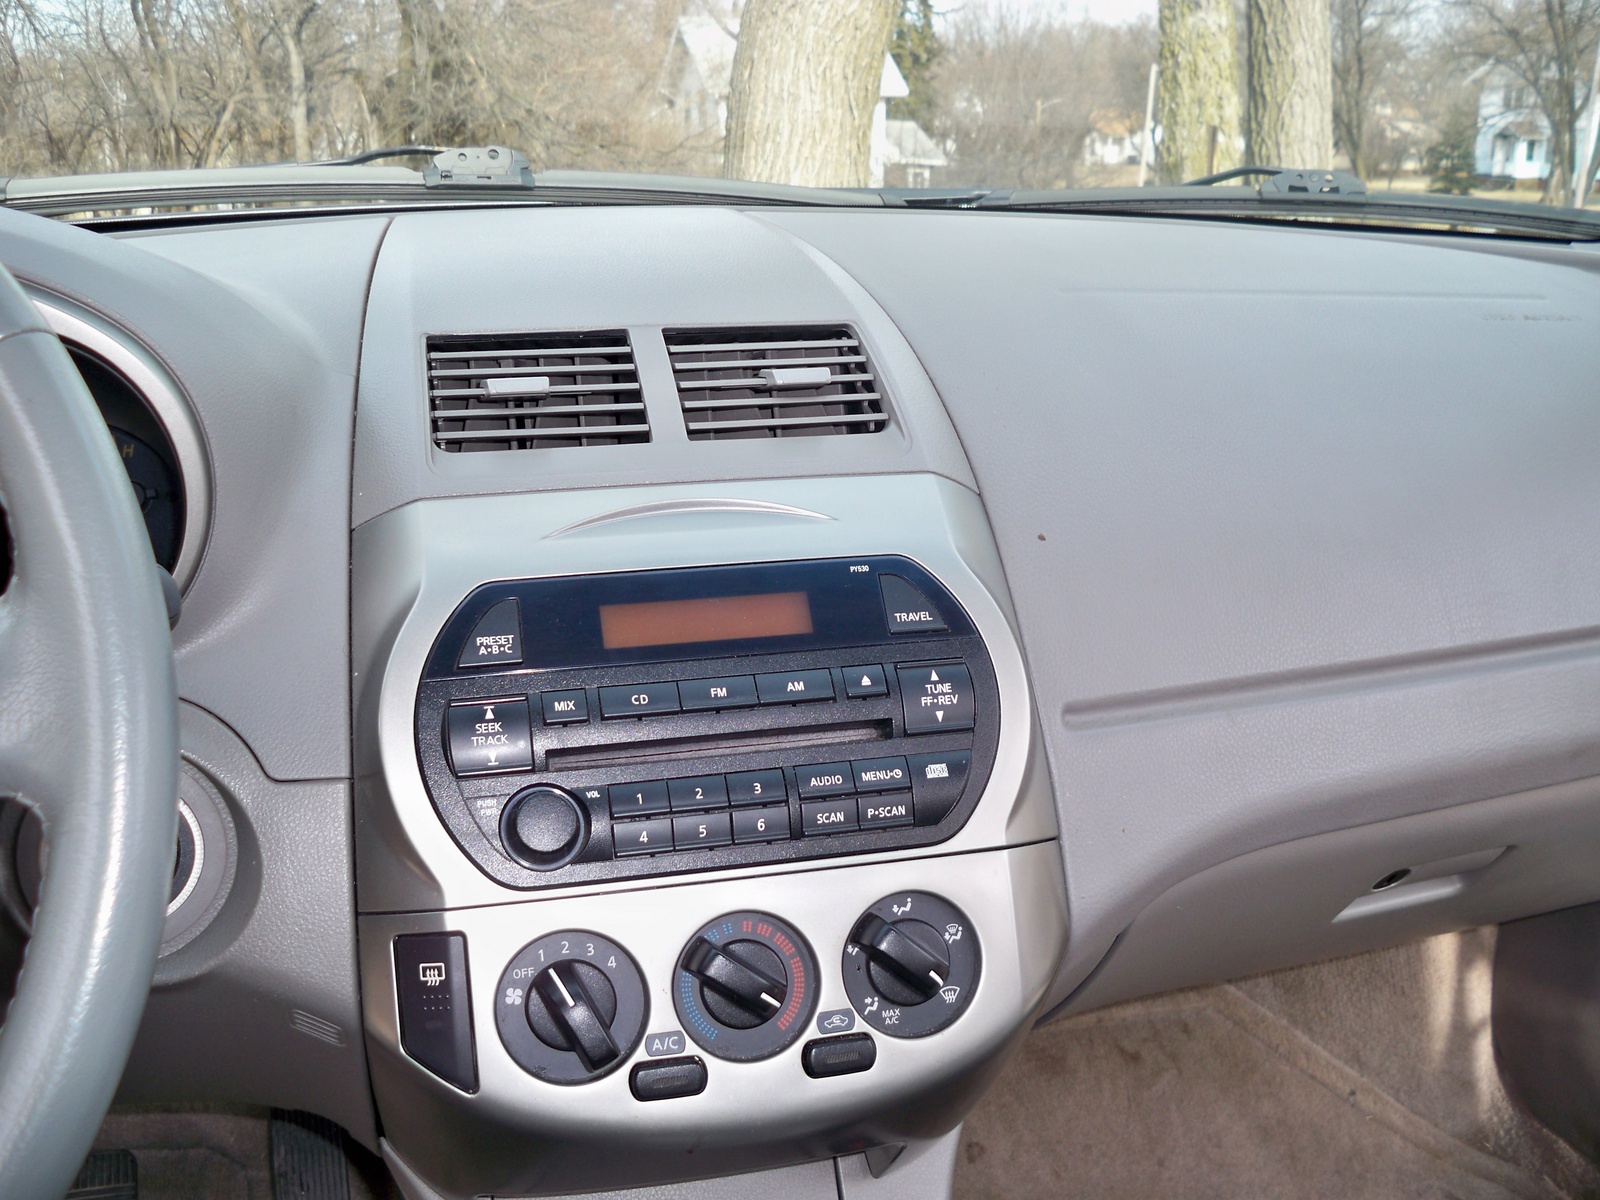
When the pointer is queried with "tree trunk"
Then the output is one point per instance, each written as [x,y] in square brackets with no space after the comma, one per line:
[1198,89]
[299,93]
[806,75]
[1291,84]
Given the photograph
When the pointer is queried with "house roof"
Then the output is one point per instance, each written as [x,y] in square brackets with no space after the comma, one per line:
[909,145]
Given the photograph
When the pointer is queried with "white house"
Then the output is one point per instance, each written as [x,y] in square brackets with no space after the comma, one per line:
[1513,139]
[1115,137]
[698,72]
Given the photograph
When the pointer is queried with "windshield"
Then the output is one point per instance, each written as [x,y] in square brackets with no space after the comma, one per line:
[1486,98]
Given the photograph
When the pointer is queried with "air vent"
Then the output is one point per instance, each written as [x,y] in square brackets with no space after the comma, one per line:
[768,383]
[534,391]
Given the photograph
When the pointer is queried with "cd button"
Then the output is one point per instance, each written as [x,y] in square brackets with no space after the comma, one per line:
[825,779]
[638,700]
[828,816]
[793,687]
[701,695]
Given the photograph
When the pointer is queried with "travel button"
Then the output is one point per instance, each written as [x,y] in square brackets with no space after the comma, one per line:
[860,683]
[881,775]
[703,791]
[825,779]
[761,824]
[793,687]
[638,700]
[937,781]
[642,837]
[907,609]
[828,816]
[757,787]
[565,708]
[706,829]
[490,737]
[702,695]
[886,812]
[937,698]
[638,799]
[496,640]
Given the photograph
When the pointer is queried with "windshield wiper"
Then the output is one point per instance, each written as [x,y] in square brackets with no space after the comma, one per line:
[1335,198]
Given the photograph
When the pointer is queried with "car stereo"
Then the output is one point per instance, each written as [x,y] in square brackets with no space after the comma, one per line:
[619,726]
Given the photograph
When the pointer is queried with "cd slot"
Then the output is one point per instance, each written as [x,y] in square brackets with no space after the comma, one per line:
[664,750]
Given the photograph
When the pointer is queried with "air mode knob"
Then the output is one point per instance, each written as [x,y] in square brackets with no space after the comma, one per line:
[911,964]
[544,827]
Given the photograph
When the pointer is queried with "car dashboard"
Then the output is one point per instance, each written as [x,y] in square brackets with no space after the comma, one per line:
[677,692]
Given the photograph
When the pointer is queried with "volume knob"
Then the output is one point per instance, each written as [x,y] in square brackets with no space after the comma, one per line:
[544,827]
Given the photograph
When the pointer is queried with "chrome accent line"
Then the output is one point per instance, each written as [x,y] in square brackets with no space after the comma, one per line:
[708,504]
[144,372]
[186,814]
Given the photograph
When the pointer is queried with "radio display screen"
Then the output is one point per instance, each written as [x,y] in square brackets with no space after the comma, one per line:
[704,619]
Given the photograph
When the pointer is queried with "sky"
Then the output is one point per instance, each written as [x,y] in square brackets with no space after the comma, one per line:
[1110,11]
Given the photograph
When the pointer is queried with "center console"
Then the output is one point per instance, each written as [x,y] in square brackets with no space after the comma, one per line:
[700,829]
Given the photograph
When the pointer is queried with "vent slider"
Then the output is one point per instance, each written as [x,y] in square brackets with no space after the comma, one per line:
[775,377]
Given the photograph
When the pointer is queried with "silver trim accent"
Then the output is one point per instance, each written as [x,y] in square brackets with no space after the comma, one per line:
[143,370]
[188,817]
[708,504]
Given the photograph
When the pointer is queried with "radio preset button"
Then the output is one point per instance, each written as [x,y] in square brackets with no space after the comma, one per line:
[828,816]
[489,737]
[703,791]
[642,837]
[496,640]
[565,708]
[757,787]
[761,824]
[707,829]
[907,609]
[825,779]
[886,812]
[638,799]
[881,775]
[794,687]
[638,700]
[937,781]
[702,695]
[937,698]
[862,683]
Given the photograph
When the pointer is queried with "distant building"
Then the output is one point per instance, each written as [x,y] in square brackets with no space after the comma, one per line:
[698,73]
[1513,139]
[1115,137]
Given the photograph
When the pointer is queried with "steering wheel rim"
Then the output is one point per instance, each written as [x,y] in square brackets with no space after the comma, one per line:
[88,739]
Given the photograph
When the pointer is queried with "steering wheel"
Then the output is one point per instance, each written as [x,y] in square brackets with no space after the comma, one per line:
[88,739]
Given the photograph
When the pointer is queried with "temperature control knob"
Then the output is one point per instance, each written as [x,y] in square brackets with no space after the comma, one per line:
[745,987]
[544,827]
[911,964]
[570,1007]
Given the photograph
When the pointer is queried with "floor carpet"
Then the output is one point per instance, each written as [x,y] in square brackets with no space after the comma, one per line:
[1371,1076]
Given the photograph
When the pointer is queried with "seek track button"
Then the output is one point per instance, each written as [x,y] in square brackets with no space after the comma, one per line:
[490,737]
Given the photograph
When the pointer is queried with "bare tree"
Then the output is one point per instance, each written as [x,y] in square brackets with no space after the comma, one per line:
[1197,106]
[805,81]
[1291,84]
[1369,51]
[1547,45]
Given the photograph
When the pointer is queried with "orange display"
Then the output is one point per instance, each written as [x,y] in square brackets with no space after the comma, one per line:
[711,619]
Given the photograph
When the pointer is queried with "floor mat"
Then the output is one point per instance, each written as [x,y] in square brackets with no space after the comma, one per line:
[1369,1076]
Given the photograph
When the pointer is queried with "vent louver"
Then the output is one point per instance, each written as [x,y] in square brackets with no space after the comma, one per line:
[518,392]
[768,383]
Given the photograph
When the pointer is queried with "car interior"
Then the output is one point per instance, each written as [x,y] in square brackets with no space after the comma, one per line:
[739,693]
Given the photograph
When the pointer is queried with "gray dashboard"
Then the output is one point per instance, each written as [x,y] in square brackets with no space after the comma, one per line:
[1294,531]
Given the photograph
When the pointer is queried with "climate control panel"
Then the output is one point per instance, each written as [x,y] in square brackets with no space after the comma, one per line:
[617,726]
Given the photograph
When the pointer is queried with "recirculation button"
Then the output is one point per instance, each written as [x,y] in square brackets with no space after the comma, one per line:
[845,1055]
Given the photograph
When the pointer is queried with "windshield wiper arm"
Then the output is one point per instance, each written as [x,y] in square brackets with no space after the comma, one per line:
[1289,181]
